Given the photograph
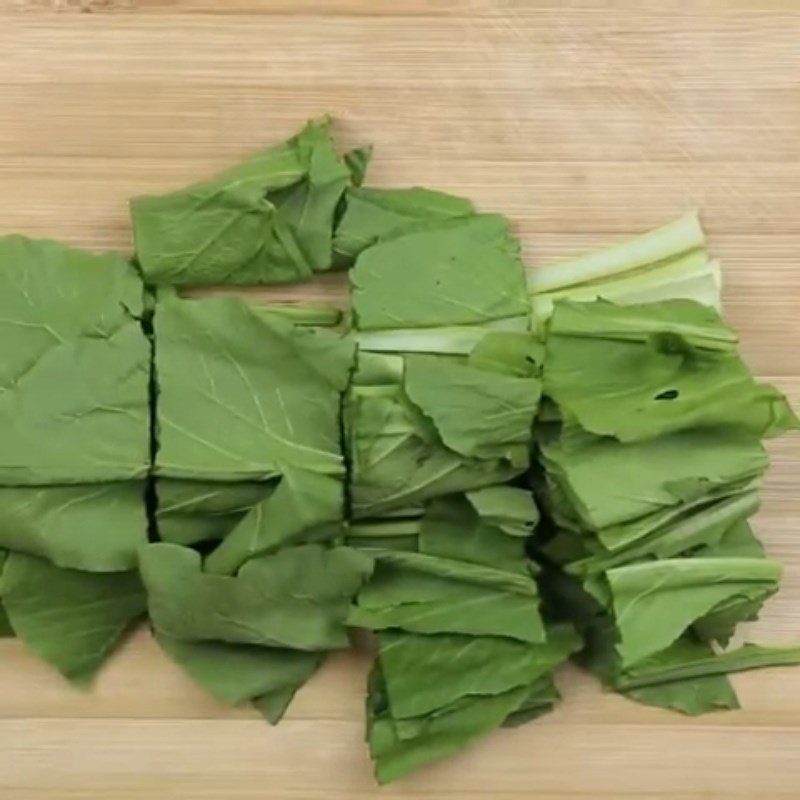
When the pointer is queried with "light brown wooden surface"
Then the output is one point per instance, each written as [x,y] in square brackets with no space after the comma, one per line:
[583,121]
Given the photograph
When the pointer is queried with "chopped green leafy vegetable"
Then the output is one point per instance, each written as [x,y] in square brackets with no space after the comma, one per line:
[374,214]
[269,219]
[258,481]
[74,366]
[304,506]
[236,673]
[259,635]
[70,619]
[655,602]
[477,413]
[462,271]
[243,393]
[480,684]
[398,457]
[462,647]
[296,598]
[248,427]
[95,526]
[639,371]
[194,511]
[657,561]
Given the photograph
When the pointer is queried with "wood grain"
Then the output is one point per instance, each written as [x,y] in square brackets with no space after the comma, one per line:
[584,121]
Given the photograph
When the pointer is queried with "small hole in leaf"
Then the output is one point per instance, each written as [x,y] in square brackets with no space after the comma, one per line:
[667,394]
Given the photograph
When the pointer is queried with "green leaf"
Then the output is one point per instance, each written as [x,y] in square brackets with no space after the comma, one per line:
[437,736]
[477,414]
[685,677]
[487,527]
[239,673]
[273,705]
[456,272]
[692,696]
[295,598]
[687,659]
[374,214]
[267,220]
[635,389]
[424,594]
[70,619]
[97,527]
[511,510]
[705,530]
[302,503]
[397,461]
[243,395]
[542,697]
[197,511]
[463,665]
[673,471]
[309,207]
[655,602]
[677,326]
[74,366]
[514,353]
[487,576]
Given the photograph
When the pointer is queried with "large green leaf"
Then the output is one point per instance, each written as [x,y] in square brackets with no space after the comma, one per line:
[70,619]
[456,272]
[296,598]
[96,527]
[244,394]
[269,219]
[74,366]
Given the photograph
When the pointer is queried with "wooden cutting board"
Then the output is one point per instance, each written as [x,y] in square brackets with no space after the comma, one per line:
[583,121]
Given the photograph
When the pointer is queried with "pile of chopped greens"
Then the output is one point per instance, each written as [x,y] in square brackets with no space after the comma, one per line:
[489,472]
